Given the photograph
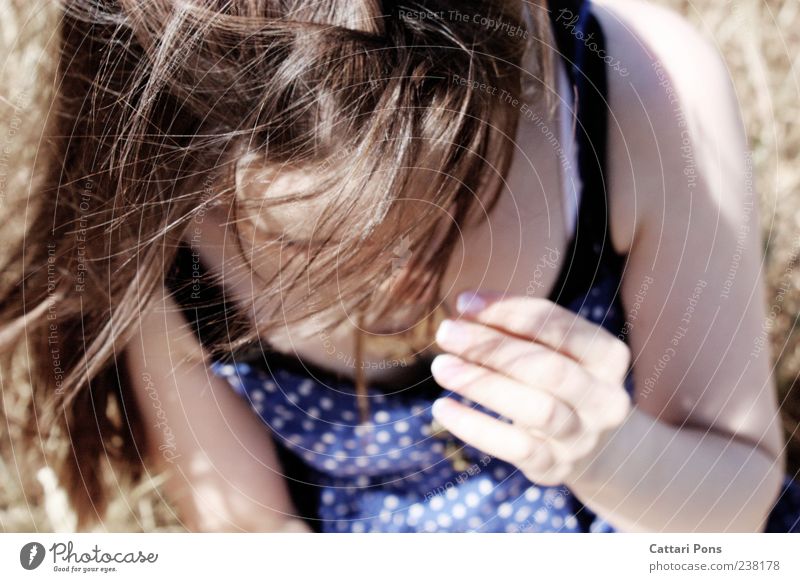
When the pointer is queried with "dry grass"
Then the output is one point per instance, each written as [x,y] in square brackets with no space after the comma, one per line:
[760,40]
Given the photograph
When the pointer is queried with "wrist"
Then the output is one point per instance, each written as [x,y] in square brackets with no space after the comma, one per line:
[614,449]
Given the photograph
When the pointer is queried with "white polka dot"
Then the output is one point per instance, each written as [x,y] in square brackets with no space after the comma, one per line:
[444,520]
[383,464]
[383,437]
[330,464]
[313,412]
[404,441]
[459,511]
[319,447]
[328,497]
[382,417]
[278,423]
[305,387]
[430,525]
[571,522]
[258,395]
[425,429]
[541,515]
[326,403]
[328,437]
[269,386]
[292,397]
[501,494]
[357,527]
[394,454]
[451,493]
[350,444]
[362,481]
[416,409]
[558,502]
[485,486]
[341,509]
[385,516]
[437,447]
[391,502]
[340,456]
[557,521]
[308,425]
[348,415]
[437,503]
[362,429]
[474,522]
[372,449]
[362,461]
[598,312]
[532,494]
[504,510]
[416,511]
[401,426]
[500,473]
[522,513]
[472,499]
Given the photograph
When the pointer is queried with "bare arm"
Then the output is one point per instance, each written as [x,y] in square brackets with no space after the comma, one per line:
[703,449]
[224,474]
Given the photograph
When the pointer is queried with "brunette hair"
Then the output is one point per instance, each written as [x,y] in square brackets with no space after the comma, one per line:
[158,106]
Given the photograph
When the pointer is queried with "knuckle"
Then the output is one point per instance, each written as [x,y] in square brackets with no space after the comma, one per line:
[548,413]
[584,446]
[544,461]
[622,408]
[619,356]
[527,451]
[555,368]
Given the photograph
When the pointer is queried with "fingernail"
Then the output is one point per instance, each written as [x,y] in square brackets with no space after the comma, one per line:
[470,303]
[446,366]
[450,332]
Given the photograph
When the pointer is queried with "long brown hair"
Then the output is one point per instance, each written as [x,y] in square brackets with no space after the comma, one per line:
[158,105]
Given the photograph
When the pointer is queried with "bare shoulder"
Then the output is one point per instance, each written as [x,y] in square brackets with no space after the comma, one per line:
[671,97]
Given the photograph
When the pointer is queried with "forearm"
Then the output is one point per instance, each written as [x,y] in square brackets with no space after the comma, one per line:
[652,476]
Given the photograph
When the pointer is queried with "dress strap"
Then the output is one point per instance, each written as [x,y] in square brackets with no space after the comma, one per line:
[580,40]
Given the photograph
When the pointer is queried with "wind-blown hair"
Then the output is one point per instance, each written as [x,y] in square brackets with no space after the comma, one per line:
[159,106]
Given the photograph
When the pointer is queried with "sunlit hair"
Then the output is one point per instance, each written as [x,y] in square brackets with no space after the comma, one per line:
[159,106]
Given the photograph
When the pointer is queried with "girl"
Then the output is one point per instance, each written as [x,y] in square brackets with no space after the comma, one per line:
[386,266]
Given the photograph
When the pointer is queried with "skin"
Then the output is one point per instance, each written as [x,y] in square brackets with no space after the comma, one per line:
[698,450]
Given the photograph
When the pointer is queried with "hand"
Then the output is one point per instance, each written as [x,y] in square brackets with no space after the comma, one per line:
[556,376]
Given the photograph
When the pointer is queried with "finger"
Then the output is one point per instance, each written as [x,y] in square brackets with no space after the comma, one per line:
[522,360]
[526,406]
[538,366]
[495,437]
[543,321]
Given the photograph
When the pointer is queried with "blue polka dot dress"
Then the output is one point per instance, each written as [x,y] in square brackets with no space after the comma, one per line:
[395,474]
